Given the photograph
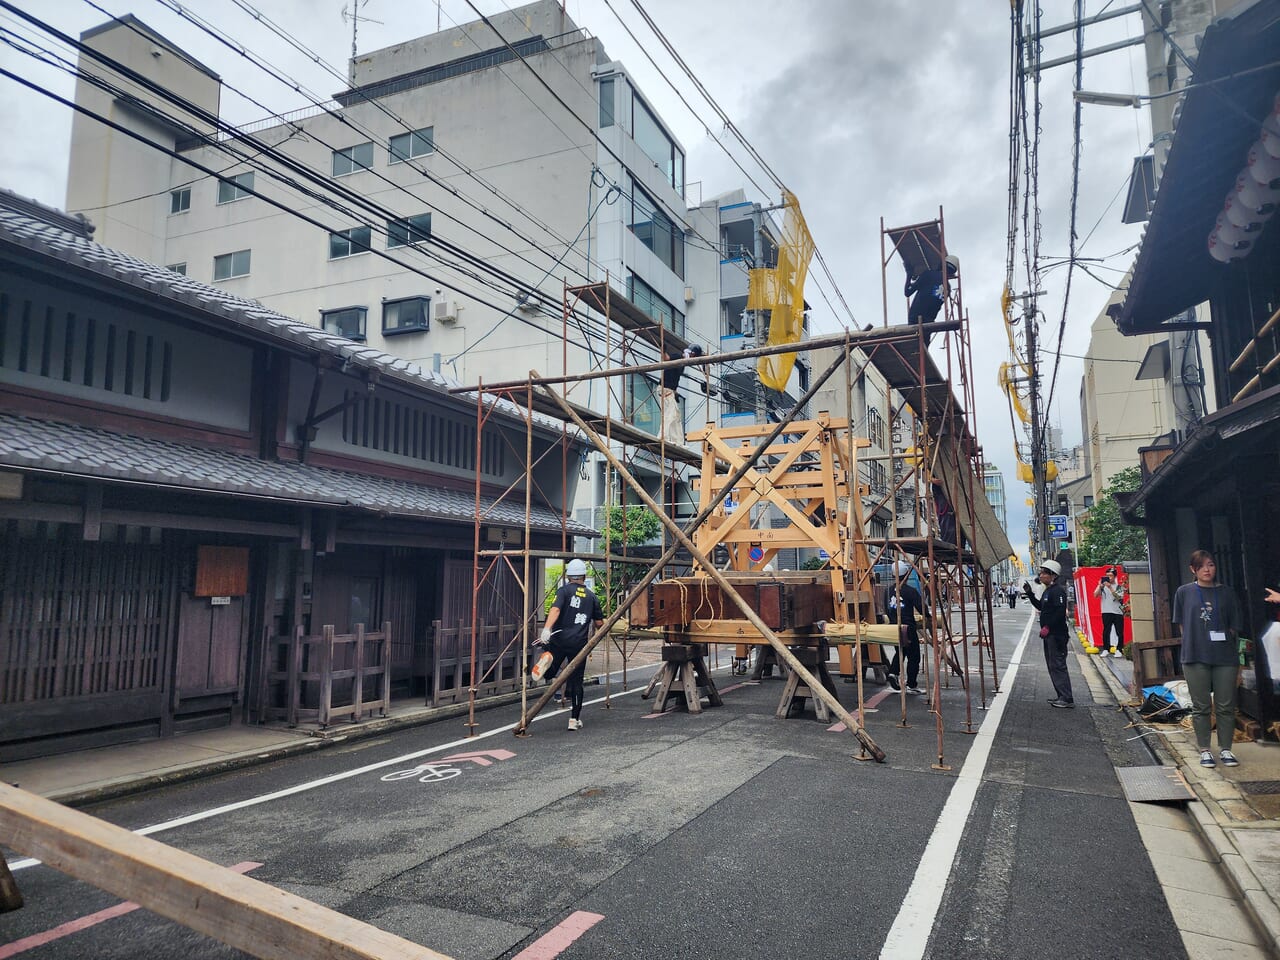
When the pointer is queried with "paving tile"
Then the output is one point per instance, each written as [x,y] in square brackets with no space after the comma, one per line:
[1200,947]
[1258,844]
[1184,873]
[1175,843]
[1172,817]
[1211,916]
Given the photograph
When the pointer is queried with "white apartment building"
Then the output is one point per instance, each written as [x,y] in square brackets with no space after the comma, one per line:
[581,179]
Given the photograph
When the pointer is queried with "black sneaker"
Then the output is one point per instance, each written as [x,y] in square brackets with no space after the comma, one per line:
[893,681]
[1063,704]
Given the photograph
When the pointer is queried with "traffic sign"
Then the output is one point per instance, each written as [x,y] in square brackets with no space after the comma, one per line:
[1058,526]
[756,554]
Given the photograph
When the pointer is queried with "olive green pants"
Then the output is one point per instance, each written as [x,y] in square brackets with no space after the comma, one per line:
[1205,680]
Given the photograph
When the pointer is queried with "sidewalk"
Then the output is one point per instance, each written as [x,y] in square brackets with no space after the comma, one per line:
[1237,823]
[89,776]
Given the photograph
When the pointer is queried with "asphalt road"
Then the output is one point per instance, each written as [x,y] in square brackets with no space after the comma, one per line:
[726,835]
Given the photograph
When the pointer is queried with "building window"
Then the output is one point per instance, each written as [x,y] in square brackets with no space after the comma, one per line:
[733,314]
[657,145]
[406,316]
[409,230]
[644,411]
[347,322]
[875,427]
[230,265]
[180,200]
[656,230]
[347,243]
[1088,501]
[648,300]
[352,159]
[406,146]
[607,105]
[178,268]
[235,188]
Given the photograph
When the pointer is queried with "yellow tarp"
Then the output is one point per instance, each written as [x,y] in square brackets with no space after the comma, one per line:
[780,290]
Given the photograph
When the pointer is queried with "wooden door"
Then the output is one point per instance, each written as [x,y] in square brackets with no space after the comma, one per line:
[210,648]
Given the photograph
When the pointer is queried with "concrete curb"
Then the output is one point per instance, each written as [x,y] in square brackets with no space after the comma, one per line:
[1211,823]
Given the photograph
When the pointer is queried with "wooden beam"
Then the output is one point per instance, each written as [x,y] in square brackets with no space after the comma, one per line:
[244,913]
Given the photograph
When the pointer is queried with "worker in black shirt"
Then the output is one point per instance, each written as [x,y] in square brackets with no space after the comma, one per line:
[1054,631]
[904,604]
[672,420]
[575,613]
[930,290]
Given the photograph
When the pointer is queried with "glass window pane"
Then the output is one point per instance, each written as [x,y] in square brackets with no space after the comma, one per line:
[180,200]
[403,315]
[606,102]
[653,140]
[348,322]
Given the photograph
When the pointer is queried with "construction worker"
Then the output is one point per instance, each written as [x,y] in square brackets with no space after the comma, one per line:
[1054,631]
[672,419]
[904,603]
[577,612]
[930,289]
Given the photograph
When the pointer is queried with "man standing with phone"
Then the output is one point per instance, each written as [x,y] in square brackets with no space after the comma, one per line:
[1111,594]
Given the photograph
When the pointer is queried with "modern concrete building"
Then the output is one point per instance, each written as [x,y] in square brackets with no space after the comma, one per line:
[435,208]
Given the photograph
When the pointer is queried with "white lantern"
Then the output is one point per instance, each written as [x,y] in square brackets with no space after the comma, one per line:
[1224,251]
[1239,213]
[1254,194]
[1263,167]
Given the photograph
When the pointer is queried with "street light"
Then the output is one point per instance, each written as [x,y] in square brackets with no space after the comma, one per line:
[1107,99]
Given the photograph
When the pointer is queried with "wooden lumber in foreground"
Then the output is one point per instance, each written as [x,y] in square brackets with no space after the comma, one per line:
[244,913]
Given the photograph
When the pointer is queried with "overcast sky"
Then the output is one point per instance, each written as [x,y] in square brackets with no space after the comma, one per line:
[864,108]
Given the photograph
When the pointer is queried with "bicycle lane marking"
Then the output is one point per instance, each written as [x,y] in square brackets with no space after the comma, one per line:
[909,936]
[554,942]
[90,920]
[219,811]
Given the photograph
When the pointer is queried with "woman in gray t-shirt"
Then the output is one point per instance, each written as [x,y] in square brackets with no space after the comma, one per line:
[1207,613]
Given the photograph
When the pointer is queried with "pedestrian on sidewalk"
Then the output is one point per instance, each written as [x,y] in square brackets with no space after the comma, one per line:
[1110,591]
[578,613]
[1054,631]
[1011,594]
[903,604]
[1209,617]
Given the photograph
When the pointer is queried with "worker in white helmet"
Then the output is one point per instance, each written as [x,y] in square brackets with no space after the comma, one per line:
[575,613]
[1054,631]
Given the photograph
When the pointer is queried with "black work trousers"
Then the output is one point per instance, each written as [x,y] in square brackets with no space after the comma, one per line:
[908,644]
[573,686]
[1055,658]
[1112,621]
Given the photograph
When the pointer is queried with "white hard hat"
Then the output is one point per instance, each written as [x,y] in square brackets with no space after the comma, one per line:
[953,261]
[576,568]
[1053,566]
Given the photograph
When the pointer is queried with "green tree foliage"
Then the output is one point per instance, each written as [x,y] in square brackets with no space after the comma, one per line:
[624,527]
[1105,537]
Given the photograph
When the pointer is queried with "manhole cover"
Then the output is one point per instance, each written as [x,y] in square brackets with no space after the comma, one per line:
[1259,786]
[1153,784]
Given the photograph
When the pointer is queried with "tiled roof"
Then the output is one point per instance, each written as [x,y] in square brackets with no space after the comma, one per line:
[22,225]
[82,451]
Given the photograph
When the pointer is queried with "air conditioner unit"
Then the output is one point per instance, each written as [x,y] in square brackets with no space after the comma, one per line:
[444,312]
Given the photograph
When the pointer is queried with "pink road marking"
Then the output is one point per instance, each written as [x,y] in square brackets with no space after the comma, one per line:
[481,757]
[92,920]
[870,707]
[736,686]
[655,716]
[552,943]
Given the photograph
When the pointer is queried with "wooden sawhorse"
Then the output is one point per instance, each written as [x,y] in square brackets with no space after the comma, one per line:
[684,670]
[796,691]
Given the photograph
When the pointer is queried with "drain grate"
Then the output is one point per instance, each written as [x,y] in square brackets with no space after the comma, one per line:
[1153,784]
[1259,786]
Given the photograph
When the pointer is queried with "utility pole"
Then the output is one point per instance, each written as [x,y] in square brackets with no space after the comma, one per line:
[1039,543]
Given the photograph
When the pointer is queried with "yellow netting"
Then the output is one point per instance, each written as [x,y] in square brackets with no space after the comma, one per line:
[1026,475]
[1011,388]
[780,290]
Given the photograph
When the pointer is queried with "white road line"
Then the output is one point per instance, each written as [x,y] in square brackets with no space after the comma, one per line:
[909,935]
[325,781]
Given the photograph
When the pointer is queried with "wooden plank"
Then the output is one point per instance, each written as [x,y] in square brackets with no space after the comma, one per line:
[237,910]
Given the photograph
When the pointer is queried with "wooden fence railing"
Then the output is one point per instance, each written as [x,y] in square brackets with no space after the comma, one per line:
[323,678]
[497,660]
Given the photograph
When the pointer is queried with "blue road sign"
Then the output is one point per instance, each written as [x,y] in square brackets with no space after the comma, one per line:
[1058,526]
[756,554]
